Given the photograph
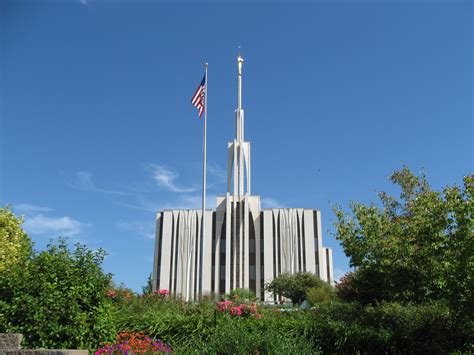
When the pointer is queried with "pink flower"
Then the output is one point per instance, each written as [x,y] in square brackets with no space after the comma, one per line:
[223,306]
[111,293]
[164,292]
[236,311]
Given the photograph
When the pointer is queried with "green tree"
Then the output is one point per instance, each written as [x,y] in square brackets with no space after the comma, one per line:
[15,245]
[294,286]
[417,248]
[59,300]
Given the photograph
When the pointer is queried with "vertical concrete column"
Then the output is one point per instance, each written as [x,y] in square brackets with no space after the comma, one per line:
[235,238]
[277,217]
[157,245]
[329,265]
[206,255]
[220,215]
[321,251]
[192,252]
[268,250]
[246,243]
[174,259]
[179,269]
[165,250]
[198,264]
[301,235]
[309,241]
[258,250]
[228,248]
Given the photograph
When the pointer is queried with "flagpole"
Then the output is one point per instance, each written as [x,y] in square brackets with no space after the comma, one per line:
[204,161]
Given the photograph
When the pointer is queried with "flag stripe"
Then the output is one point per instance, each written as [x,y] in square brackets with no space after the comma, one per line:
[198,99]
[197,95]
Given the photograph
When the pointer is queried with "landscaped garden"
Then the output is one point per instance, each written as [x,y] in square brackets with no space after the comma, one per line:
[412,291]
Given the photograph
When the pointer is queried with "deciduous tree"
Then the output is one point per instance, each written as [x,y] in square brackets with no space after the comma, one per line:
[415,248]
[294,286]
[15,245]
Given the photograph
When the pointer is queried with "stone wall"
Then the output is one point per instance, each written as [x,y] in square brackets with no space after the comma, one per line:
[10,344]
[10,341]
[43,352]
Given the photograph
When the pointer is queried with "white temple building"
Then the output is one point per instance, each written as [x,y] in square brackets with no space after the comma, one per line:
[243,246]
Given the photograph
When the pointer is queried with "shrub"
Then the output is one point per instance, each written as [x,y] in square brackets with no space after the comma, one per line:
[389,328]
[322,294]
[59,300]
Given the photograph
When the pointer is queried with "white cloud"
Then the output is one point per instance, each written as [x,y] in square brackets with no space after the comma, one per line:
[83,181]
[183,202]
[60,226]
[268,202]
[165,179]
[144,229]
[30,208]
[84,2]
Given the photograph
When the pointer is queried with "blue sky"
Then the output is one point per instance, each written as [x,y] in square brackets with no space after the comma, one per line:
[97,131]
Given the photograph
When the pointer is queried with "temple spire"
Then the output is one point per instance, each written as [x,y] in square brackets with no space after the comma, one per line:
[239,150]
[240,62]
[239,111]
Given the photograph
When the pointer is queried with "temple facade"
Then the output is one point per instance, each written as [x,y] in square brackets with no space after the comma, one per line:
[243,245]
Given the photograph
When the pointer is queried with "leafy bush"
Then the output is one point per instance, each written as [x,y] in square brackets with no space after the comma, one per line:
[294,286]
[322,294]
[272,334]
[389,328]
[59,300]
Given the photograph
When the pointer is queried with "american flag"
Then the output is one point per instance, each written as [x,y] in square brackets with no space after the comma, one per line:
[198,99]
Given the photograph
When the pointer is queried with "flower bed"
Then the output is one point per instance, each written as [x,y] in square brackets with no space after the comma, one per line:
[134,343]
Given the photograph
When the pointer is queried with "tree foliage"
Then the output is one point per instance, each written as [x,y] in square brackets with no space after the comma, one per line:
[15,245]
[294,286]
[417,248]
[321,294]
[59,300]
